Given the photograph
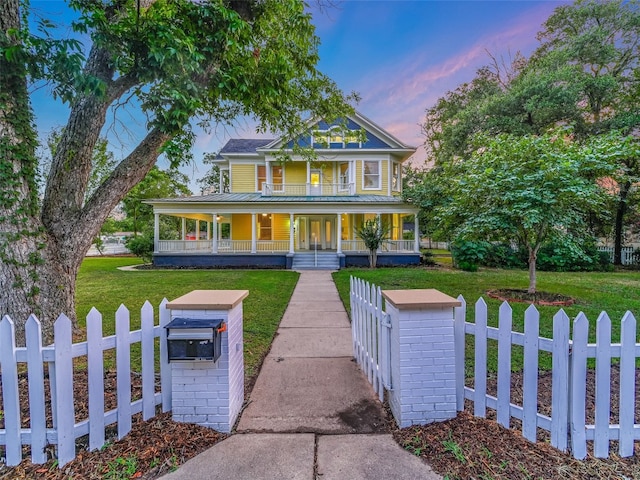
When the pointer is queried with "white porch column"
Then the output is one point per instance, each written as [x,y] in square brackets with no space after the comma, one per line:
[308,178]
[214,245]
[156,232]
[220,182]
[208,230]
[184,228]
[197,229]
[268,172]
[291,233]
[253,232]
[416,234]
[339,234]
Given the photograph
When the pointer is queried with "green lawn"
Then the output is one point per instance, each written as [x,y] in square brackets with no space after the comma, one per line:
[613,292]
[101,285]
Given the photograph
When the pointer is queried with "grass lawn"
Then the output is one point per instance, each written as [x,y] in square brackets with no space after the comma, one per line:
[613,292]
[101,285]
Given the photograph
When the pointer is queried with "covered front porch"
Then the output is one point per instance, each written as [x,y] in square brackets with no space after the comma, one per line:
[250,230]
[237,233]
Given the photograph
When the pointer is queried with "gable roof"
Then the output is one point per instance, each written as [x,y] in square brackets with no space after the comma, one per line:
[383,139]
[244,145]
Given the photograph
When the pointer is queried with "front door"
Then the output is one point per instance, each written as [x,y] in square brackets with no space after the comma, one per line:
[316,232]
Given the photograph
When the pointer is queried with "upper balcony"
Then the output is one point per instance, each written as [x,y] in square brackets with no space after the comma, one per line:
[308,189]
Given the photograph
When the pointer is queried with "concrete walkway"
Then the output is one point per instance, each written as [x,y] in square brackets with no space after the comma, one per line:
[312,414]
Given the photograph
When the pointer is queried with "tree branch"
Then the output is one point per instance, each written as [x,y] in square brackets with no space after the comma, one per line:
[126,175]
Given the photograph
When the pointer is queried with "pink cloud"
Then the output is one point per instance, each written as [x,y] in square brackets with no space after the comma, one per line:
[399,102]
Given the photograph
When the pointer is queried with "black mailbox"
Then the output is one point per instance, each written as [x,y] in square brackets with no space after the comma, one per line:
[194,338]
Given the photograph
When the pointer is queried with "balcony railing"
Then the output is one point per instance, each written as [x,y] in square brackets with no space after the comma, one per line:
[308,189]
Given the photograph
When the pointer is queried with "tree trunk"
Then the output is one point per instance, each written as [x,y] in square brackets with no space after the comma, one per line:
[621,210]
[533,256]
[373,258]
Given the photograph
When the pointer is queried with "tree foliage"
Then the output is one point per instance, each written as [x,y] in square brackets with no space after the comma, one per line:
[373,233]
[583,75]
[178,62]
[525,190]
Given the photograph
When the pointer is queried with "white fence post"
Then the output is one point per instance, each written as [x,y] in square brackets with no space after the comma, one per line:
[64,390]
[35,368]
[165,367]
[95,372]
[123,372]
[460,315]
[627,384]
[207,393]
[530,374]
[603,386]
[11,400]
[480,366]
[505,324]
[560,381]
[423,360]
[578,382]
[148,367]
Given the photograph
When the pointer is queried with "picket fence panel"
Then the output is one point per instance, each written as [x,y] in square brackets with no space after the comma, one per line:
[569,377]
[626,256]
[370,333]
[59,359]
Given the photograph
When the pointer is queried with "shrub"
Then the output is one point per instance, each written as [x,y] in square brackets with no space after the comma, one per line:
[467,255]
[141,246]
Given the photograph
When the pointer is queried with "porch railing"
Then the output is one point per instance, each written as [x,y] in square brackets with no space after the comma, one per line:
[394,246]
[224,246]
[308,189]
[270,246]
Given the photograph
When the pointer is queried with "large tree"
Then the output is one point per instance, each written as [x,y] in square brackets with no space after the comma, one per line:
[600,40]
[526,190]
[175,60]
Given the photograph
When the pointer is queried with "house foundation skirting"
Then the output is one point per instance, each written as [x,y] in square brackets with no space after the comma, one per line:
[275,260]
[281,260]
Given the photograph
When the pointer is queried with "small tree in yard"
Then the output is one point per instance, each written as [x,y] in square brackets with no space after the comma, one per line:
[525,190]
[373,233]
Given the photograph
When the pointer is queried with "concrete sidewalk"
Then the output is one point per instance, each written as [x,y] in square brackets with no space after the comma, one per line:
[312,413]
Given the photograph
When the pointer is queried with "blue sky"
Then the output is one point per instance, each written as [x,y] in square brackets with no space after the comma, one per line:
[401,56]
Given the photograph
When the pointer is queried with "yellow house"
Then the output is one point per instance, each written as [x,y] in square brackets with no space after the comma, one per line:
[298,213]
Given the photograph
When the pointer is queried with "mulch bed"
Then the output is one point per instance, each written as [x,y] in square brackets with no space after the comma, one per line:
[468,447]
[462,448]
[538,298]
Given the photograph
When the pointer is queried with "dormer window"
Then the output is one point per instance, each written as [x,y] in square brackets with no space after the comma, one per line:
[336,137]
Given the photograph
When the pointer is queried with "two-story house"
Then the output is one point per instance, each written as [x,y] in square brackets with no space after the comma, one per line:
[296,213]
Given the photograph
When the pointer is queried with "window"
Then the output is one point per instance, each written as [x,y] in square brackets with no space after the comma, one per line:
[343,176]
[262,176]
[371,174]
[264,223]
[395,177]
[276,176]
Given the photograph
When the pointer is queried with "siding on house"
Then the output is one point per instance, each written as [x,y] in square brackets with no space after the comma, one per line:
[295,172]
[280,226]
[241,225]
[243,178]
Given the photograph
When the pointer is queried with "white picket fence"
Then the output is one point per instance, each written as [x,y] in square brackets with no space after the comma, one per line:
[626,256]
[370,332]
[59,358]
[569,377]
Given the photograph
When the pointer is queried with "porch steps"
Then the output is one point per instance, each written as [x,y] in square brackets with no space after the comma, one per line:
[306,261]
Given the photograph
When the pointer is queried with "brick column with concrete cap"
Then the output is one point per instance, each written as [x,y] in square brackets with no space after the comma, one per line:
[203,392]
[422,356]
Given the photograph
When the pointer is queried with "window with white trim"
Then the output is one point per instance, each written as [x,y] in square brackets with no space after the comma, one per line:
[395,177]
[343,179]
[371,174]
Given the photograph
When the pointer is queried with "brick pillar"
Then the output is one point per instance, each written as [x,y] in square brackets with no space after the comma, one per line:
[423,373]
[203,392]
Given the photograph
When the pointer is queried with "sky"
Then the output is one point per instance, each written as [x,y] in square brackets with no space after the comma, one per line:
[400,56]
